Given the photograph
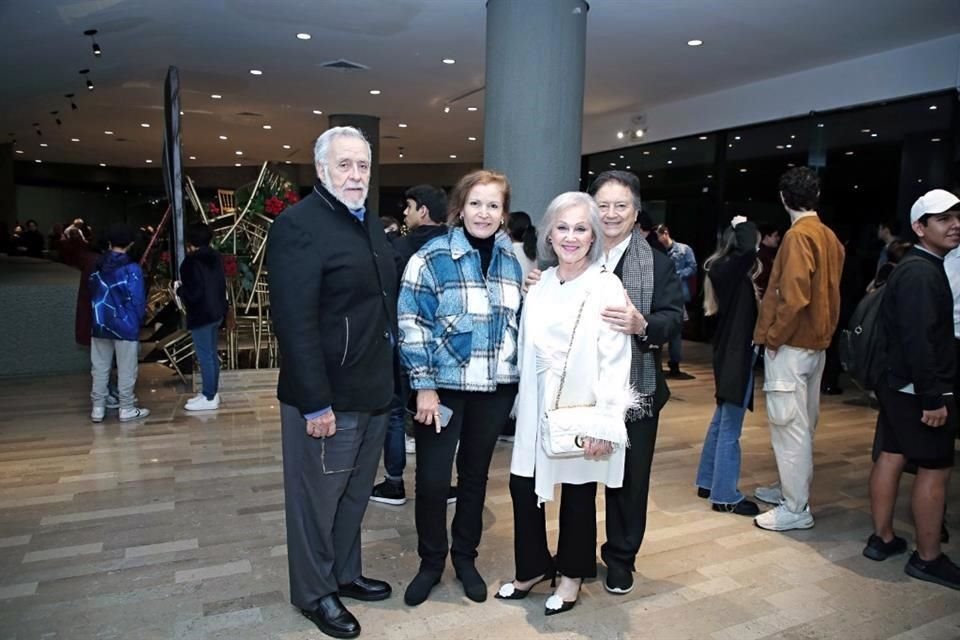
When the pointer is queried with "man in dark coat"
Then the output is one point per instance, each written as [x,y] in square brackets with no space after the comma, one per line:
[333,297]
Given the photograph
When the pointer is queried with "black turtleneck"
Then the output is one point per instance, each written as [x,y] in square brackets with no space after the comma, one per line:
[484,246]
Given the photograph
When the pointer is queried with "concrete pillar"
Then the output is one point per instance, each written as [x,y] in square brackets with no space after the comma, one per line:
[8,188]
[533,115]
[370,126]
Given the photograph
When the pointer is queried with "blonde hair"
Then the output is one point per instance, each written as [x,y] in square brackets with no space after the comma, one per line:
[725,247]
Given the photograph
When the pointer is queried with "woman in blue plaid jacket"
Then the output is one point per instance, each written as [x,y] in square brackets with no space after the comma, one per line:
[458,344]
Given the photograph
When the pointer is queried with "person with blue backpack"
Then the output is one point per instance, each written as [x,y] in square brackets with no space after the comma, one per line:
[118,300]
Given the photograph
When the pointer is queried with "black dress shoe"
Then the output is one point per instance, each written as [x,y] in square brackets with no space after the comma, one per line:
[473,585]
[743,508]
[332,618]
[366,589]
[420,587]
[703,493]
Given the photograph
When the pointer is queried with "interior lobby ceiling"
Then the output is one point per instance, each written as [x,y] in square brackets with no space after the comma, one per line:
[637,56]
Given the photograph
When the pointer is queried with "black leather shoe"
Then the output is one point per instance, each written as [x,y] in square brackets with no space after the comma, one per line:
[366,589]
[419,588]
[473,585]
[332,618]
[743,508]
[703,493]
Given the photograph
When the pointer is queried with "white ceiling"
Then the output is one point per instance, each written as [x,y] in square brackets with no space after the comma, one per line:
[636,57]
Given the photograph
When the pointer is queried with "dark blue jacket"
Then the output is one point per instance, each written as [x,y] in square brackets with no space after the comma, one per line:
[118,297]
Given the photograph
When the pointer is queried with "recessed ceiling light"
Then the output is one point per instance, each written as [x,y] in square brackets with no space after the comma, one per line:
[109,133]
[934,139]
[317,112]
[446,109]
[793,137]
[730,146]
[374,92]
[222,137]
[590,173]
[694,43]
[779,146]
[933,107]
[471,108]
[215,96]
[303,36]
[649,175]
[286,162]
[103,164]
[638,133]
[848,153]
[401,155]
[789,146]
[736,137]
[820,125]
[873,135]
[181,113]
[613,164]
[145,125]
[646,153]
[628,166]
[256,72]
[743,170]
[619,135]
[238,152]
[472,138]
[149,161]
[673,148]
[402,125]
[669,161]
[38,161]
[267,127]
[286,146]
[237,164]
[864,130]
[621,156]
[453,156]
[74,139]
[790,164]
[703,137]
[449,61]
[44,144]
[193,157]
[709,176]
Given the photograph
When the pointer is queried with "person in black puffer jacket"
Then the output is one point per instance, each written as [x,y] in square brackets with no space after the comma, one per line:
[203,289]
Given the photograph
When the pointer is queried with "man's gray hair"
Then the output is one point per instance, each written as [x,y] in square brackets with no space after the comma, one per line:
[558,205]
[322,146]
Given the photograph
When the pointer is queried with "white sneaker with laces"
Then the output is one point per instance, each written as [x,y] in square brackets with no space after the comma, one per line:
[97,414]
[137,413]
[770,495]
[782,519]
[202,404]
[410,444]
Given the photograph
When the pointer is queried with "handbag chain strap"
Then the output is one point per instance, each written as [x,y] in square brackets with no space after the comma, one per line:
[566,359]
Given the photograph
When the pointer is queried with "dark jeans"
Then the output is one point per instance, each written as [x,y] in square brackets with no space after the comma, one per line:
[477,420]
[627,506]
[394,445]
[577,545]
[205,344]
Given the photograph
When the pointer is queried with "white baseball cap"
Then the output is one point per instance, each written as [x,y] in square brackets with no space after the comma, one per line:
[934,201]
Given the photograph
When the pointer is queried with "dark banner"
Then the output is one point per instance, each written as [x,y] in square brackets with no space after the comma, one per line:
[173,167]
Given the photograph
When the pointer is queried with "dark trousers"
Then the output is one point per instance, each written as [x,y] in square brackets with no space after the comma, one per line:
[326,486]
[477,421]
[577,544]
[627,506]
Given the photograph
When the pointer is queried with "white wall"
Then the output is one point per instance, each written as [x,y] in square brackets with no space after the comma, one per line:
[921,68]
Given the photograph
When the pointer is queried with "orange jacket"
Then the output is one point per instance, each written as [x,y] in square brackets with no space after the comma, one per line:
[801,305]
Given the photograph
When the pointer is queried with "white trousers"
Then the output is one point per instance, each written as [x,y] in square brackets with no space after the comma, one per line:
[792,387]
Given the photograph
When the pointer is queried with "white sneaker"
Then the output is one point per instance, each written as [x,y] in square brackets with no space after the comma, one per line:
[97,414]
[782,519]
[770,495]
[137,413]
[202,404]
[113,402]
[410,444]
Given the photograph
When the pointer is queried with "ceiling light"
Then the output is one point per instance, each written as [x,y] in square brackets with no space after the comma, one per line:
[149,161]
[401,155]
[789,146]
[109,133]
[743,170]
[638,133]
[303,36]
[216,96]
[736,137]
[449,61]
[193,157]
[790,164]
[934,139]
[74,139]
[619,135]
[471,108]
[38,161]
[267,127]
[820,125]
[848,153]
[673,148]
[237,164]
[20,151]
[590,173]
[621,156]
[669,161]
[402,125]
[703,137]
[286,162]
[694,43]
[446,109]
[628,166]
[864,130]
[145,125]
[44,144]
[793,137]
[222,137]
[613,164]
[256,72]
[779,146]
[933,107]
[472,138]
[286,146]
[238,152]
[730,146]
[317,112]
[649,175]
[103,164]
[646,153]
[453,156]
[873,135]
[89,85]
[709,176]
[374,92]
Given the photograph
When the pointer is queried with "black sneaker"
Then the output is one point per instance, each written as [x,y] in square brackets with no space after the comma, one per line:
[939,571]
[743,508]
[619,580]
[879,550]
[389,492]
[703,493]
[452,496]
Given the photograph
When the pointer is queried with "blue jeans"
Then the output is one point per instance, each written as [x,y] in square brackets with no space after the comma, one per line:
[205,344]
[675,350]
[719,469]
[394,445]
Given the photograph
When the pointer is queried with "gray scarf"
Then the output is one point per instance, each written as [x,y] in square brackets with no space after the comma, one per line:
[637,278]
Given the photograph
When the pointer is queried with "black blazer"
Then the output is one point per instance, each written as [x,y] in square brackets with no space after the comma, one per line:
[333,299]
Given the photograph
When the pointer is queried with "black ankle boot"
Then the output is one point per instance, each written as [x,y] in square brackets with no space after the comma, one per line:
[473,585]
[420,587]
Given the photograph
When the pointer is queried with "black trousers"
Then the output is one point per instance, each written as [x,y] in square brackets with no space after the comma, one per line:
[627,506]
[477,421]
[577,544]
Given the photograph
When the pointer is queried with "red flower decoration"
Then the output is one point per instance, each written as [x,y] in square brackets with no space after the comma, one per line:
[230,268]
[291,196]
[165,257]
[274,205]
[213,209]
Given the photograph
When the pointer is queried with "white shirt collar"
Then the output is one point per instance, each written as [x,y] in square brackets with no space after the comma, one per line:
[612,257]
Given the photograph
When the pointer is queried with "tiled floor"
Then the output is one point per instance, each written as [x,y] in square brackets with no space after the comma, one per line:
[173,528]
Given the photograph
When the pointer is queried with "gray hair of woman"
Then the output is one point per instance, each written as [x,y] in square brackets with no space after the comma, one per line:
[558,205]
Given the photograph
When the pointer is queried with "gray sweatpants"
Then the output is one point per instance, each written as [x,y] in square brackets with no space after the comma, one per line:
[102,351]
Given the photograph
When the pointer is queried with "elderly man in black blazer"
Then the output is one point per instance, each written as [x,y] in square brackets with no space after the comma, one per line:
[333,297]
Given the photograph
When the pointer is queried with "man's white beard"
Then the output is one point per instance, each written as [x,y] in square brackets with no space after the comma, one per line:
[328,185]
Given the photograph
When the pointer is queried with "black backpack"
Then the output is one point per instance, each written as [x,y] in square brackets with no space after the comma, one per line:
[863,345]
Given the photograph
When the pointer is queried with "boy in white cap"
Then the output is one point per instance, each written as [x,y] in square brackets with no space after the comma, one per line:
[918,413]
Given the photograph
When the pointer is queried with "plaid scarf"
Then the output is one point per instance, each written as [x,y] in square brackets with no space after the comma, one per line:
[637,277]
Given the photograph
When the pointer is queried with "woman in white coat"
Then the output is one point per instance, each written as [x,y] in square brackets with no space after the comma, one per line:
[596,361]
